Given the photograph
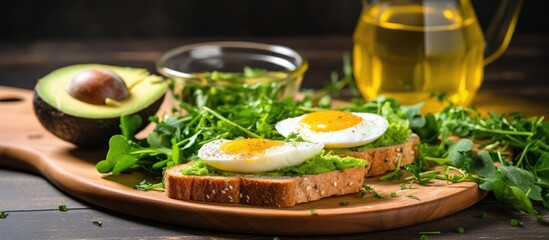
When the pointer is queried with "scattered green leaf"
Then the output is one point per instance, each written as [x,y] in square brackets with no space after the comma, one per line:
[412,197]
[63,208]
[97,223]
[515,223]
[313,211]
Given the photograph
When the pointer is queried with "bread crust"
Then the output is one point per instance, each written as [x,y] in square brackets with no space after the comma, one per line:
[260,190]
[381,160]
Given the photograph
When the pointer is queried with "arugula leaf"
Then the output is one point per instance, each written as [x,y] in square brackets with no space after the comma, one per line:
[460,151]
[119,157]
[483,165]
[425,126]
[522,179]
[519,199]
[129,124]
[541,169]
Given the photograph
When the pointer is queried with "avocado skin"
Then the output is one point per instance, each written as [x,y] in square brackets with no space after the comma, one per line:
[85,132]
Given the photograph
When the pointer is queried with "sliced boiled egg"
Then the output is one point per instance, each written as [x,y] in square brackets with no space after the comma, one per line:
[256,155]
[336,129]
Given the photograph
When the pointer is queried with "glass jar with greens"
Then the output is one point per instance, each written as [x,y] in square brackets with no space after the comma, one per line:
[226,73]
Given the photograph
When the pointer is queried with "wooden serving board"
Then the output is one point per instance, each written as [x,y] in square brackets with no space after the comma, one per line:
[26,145]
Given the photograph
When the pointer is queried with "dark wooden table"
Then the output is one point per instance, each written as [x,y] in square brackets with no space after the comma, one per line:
[516,82]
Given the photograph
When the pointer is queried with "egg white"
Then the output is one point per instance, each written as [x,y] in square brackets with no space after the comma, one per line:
[286,155]
[370,129]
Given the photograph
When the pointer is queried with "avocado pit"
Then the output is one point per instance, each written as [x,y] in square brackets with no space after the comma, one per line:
[96,85]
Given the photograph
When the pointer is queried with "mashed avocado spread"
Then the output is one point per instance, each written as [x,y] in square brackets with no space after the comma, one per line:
[320,163]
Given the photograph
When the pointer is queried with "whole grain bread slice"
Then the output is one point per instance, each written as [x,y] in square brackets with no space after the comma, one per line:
[260,190]
[383,159]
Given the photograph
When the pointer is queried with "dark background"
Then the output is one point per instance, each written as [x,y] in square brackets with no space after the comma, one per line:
[121,19]
[38,37]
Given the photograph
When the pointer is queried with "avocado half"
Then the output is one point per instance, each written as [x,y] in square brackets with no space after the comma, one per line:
[88,125]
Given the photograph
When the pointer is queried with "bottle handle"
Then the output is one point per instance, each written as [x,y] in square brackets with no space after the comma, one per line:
[500,30]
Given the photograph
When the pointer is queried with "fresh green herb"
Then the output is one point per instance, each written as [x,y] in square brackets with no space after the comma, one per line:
[276,238]
[374,193]
[430,232]
[313,211]
[403,186]
[362,193]
[3,214]
[176,140]
[63,208]
[460,230]
[483,215]
[516,181]
[336,87]
[424,237]
[215,89]
[515,223]
[412,197]
[393,194]
[378,195]
[97,223]
[145,185]
[396,174]
[344,203]
[411,184]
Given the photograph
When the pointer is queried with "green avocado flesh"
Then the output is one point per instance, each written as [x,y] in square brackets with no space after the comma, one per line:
[88,125]
[320,163]
[144,88]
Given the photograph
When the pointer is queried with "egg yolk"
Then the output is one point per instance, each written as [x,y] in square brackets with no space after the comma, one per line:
[328,121]
[249,147]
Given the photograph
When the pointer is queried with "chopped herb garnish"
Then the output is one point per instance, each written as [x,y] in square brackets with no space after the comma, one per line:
[460,230]
[146,186]
[430,232]
[411,183]
[313,211]
[393,194]
[424,237]
[63,208]
[374,193]
[396,174]
[378,195]
[483,215]
[403,186]
[362,193]
[276,238]
[97,223]
[412,197]
[343,203]
[3,214]
[515,223]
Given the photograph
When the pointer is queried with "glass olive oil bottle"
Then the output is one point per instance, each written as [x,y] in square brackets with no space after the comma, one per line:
[419,52]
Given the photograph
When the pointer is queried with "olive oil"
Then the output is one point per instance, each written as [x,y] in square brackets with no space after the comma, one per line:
[418,53]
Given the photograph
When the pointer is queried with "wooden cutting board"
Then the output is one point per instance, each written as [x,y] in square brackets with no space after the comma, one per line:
[26,145]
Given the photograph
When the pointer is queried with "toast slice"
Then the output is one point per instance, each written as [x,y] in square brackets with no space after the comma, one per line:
[260,190]
[381,160]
